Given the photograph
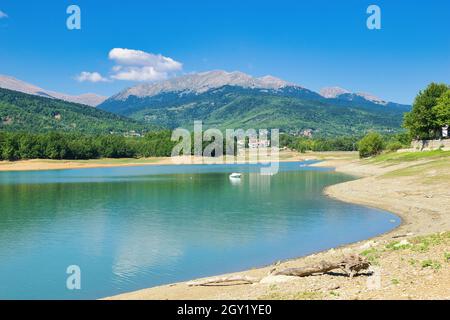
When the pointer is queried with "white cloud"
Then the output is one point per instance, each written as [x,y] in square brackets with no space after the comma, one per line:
[3,15]
[137,65]
[141,58]
[90,77]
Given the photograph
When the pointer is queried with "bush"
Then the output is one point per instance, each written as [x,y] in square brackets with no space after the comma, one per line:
[371,145]
[303,144]
[393,146]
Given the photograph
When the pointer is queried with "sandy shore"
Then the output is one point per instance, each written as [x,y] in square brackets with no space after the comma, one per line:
[39,165]
[412,261]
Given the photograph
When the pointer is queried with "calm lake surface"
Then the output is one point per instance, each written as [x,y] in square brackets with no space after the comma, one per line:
[135,227]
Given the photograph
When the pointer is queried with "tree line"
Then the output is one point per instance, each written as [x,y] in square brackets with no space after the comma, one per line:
[303,144]
[392,142]
[77,146]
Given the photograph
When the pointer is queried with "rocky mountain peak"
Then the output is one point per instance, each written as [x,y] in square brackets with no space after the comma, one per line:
[202,82]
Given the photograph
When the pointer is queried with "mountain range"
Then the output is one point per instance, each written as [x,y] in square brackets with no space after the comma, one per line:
[236,100]
[10,83]
[220,99]
[202,82]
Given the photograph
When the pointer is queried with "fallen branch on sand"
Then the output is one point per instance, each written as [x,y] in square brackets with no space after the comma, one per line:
[351,265]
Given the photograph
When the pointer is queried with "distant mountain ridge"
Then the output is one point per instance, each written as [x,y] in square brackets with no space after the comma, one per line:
[333,92]
[10,83]
[200,83]
[236,100]
[340,93]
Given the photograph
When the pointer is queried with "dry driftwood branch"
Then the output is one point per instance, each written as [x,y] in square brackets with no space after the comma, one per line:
[354,264]
[351,265]
[308,271]
[221,280]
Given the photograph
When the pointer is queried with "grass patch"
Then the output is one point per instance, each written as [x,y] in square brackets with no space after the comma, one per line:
[431,264]
[372,255]
[420,244]
[423,244]
[447,256]
[335,294]
[395,281]
[397,157]
[395,245]
[421,169]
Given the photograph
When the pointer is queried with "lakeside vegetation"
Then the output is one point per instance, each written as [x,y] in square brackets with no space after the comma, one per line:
[77,146]
[391,142]
[69,146]
[430,112]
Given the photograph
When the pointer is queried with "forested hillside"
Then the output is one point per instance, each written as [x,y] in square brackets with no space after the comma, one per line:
[289,109]
[23,112]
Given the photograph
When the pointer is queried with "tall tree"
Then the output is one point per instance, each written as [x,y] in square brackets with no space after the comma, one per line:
[421,121]
[442,110]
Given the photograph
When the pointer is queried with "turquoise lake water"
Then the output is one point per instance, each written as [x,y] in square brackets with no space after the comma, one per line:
[131,228]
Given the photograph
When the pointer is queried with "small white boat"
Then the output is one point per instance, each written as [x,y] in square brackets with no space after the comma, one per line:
[235,176]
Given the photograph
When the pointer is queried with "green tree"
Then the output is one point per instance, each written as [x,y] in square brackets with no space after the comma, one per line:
[442,110]
[10,148]
[421,121]
[371,145]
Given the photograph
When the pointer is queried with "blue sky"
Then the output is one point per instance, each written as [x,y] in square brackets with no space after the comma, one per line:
[312,43]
